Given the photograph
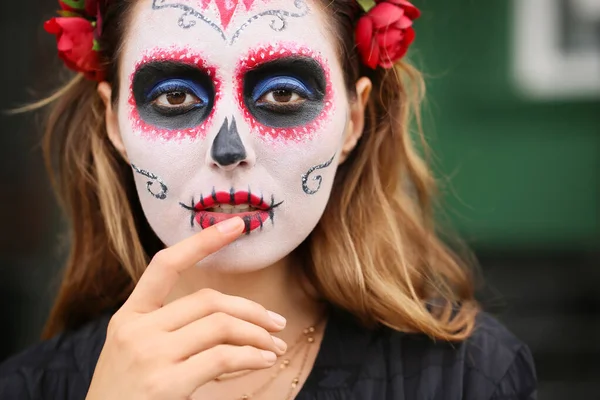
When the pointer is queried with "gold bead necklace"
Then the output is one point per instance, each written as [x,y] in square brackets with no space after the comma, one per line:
[304,341]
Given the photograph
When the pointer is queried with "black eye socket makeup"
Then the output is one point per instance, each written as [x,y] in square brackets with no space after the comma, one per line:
[171,95]
[285,92]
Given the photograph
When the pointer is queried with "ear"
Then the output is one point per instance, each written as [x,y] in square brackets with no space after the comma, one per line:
[357,117]
[112,122]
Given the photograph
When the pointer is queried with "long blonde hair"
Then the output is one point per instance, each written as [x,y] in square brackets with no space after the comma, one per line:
[375,252]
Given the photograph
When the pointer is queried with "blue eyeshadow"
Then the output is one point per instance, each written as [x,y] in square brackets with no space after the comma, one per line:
[276,83]
[178,85]
[301,75]
[158,78]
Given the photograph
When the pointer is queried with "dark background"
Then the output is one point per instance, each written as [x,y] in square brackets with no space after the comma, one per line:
[519,170]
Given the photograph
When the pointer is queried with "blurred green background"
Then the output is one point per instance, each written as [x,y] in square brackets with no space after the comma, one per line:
[523,173]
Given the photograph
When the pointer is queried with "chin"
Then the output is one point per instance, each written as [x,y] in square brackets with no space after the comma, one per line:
[253,252]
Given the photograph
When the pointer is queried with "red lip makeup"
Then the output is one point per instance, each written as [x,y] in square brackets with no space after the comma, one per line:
[219,206]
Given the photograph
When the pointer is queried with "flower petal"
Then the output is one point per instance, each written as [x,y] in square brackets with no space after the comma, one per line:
[64,43]
[385,14]
[409,37]
[390,37]
[374,55]
[410,10]
[91,8]
[403,23]
[74,25]
[52,27]
[367,48]
[364,33]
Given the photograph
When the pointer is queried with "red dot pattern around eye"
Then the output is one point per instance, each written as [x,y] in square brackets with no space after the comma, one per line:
[180,55]
[273,52]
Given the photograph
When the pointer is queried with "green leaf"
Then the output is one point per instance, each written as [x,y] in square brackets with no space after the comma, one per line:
[65,13]
[366,5]
[75,4]
[96,46]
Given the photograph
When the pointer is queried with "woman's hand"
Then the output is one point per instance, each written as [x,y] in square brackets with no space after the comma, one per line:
[166,352]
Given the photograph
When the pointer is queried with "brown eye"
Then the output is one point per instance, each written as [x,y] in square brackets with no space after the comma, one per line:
[177,100]
[282,96]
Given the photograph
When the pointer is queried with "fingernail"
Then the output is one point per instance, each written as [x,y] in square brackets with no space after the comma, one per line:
[230,225]
[278,319]
[281,345]
[269,356]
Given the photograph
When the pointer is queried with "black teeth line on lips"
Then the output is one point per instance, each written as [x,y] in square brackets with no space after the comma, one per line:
[232,196]
[214,195]
[192,214]
[272,208]
[271,213]
[202,201]
[249,195]
[192,209]
[247,221]
[189,208]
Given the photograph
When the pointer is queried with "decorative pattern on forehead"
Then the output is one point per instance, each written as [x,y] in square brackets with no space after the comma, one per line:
[226,8]
[179,55]
[272,52]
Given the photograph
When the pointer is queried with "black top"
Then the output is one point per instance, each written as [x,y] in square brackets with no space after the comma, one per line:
[353,363]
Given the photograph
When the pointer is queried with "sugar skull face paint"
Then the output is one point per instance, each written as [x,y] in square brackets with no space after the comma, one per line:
[237,109]
[152,179]
[172,94]
[290,72]
[225,10]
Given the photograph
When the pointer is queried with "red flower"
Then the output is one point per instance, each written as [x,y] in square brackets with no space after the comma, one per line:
[75,39]
[385,33]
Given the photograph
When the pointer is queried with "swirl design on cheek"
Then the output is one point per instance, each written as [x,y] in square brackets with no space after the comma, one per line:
[316,178]
[153,178]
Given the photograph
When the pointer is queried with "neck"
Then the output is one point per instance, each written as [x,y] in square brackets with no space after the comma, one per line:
[278,288]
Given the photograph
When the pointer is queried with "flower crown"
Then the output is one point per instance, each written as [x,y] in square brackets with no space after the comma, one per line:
[383,34]
[77,32]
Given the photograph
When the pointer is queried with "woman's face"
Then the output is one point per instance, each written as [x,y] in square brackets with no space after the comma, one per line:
[232,107]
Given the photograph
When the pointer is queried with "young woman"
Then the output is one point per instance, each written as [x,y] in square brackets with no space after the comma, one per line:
[249,216]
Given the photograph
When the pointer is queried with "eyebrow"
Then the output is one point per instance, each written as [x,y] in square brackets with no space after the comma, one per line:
[271,52]
[165,67]
[176,56]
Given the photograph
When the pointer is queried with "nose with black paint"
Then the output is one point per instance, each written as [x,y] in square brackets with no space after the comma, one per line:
[228,150]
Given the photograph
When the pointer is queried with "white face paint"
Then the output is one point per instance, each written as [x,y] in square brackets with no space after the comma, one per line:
[232,107]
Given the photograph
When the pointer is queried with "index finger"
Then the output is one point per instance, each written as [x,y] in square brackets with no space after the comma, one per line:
[166,266]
